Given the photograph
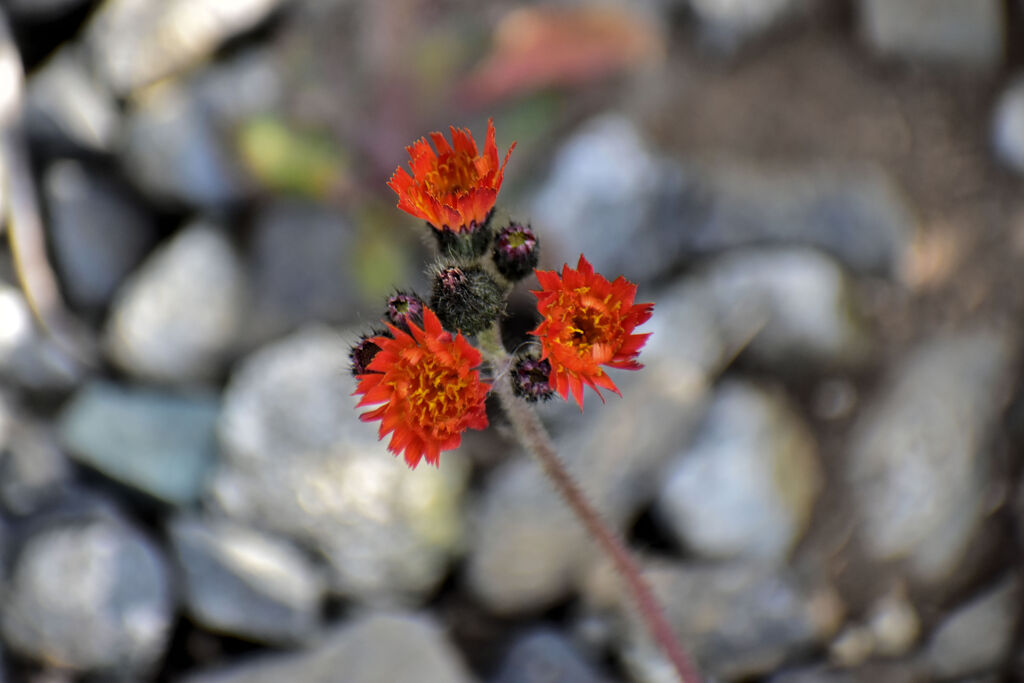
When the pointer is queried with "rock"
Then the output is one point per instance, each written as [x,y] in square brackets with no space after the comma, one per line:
[746,485]
[99,234]
[919,467]
[978,637]
[34,470]
[726,24]
[29,357]
[370,648]
[737,621]
[66,102]
[250,83]
[652,213]
[894,625]
[172,150]
[137,42]
[92,596]
[161,444]
[804,301]
[299,253]
[876,672]
[527,549]
[196,277]
[245,583]
[298,461]
[964,33]
[1008,126]
[542,656]
[604,181]
[854,213]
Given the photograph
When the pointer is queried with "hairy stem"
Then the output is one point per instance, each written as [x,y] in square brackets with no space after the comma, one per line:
[534,437]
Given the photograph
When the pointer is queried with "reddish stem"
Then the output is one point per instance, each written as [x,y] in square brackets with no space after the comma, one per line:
[534,437]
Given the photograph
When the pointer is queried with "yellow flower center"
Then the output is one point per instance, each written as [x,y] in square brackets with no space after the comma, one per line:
[436,393]
[455,173]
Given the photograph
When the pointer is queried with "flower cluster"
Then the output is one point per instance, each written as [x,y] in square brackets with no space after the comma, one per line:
[421,372]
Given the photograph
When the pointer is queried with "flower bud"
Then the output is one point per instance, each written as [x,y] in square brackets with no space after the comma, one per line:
[363,351]
[516,251]
[404,308]
[466,299]
[530,378]
[468,243]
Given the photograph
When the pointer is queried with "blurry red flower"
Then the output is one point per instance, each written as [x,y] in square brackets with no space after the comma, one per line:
[454,188]
[429,387]
[587,322]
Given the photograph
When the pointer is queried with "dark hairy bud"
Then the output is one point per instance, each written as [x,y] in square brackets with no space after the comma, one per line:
[466,299]
[516,251]
[404,308]
[363,351]
[530,378]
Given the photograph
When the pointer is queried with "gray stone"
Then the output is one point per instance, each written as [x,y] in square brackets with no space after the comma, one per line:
[178,317]
[968,33]
[91,596]
[876,672]
[248,84]
[137,42]
[919,467]
[172,150]
[855,213]
[64,98]
[245,583]
[527,549]
[978,637]
[653,212]
[299,253]
[737,621]
[34,469]
[29,357]
[803,301]
[99,234]
[726,24]
[371,648]
[1008,126]
[747,484]
[162,444]
[544,656]
[298,461]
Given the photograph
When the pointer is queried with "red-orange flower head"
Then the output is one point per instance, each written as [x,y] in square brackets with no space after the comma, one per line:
[454,188]
[587,322]
[429,387]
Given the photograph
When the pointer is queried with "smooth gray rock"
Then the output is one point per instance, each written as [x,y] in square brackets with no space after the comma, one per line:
[177,319]
[1008,126]
[65,100]
[802,300]
[34,469]
[527,549]
[298,461]
[919,467]
[29,357]
[747,484]
[99,233]
[652,213]
[137,42]
[544,656]
[370,648]
[93,596]
[299,254]
[966,33]
[737,621]
[161,444]
[250,83]
[977,637]
[875,672]
[245,583]
[173,150]
[726,24]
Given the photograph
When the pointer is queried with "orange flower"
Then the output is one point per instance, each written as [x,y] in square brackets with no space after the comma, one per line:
[429,387]
[454,188]
[587,322]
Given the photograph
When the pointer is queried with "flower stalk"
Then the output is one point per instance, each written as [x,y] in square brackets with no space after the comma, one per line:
[533,436]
